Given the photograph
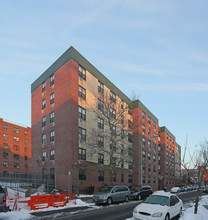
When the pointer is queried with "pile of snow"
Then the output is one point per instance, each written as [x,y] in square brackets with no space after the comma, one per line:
[24,211]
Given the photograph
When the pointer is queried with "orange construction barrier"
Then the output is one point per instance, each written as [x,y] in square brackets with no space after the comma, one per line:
[39,202]
[57,200]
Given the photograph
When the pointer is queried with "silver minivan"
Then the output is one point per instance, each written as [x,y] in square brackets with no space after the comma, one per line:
[111,194]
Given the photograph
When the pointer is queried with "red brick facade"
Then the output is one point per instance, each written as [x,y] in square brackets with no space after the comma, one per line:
[15,149]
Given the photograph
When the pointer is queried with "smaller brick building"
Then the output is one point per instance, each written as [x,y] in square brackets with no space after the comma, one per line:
[15,150]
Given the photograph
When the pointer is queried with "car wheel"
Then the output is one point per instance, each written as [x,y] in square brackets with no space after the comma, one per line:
[126,199]
[139,197]
[109,201]
[180,213]
[167,217]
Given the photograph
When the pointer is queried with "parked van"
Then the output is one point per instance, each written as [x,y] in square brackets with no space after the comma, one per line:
[111,194]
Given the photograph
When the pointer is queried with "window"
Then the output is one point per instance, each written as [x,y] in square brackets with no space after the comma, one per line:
[52,173]
[130,166]
[112,97]
[26,166]
[149,133]
[16,148]
[101,158]
[100,123]
[16,165]
[122,104]
[5,155]
[52,80]
[149,145]
[52,136]
[5,145]
[82,154]
[43,121]
[82,174]
[52,154]
[122,177]
[130,138]
[26,158]
[113,129]
[143,179]
[143,142]
[16,130]
[122,119]
[5,164]
[52,117]
[149,179]
[43,155]
[100,105]
[130,179]
[143,116]
[44,86]
[154,147]
[122,163]
[154,158]
[82,93]
[113,160]
[5,127]
[16,157]
[44,175]
[44,139]
[16,139]
[52,98]
[113,145]
[149,120]
[43,103]
[143,169]
[122,149]
[82,133]
[154,124]
[143,154]
[25,132]
[122,134]
[143,129]
[25,149]
[100,141]
[100,176]
[149,156]
[25,141]
[5,136]
[130,152]
[82,73]
[114,177]
[129,124]
[112,113]
[5,173]
[100,88]
[167,136]
[82,113]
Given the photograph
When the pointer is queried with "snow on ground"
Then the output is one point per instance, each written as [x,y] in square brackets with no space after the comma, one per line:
[188,213]
[24,212]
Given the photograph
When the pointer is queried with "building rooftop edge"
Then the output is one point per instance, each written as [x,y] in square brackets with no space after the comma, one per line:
[164,129]
[74,54]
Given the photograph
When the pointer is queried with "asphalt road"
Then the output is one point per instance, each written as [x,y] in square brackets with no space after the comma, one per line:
[119,211]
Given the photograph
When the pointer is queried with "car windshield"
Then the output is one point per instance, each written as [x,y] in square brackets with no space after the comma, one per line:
[157,199]
[106,189]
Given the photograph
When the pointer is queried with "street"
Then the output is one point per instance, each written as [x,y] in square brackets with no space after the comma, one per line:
[119,211]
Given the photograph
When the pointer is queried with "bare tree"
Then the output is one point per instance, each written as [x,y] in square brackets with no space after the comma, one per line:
[197,160]
[111,136]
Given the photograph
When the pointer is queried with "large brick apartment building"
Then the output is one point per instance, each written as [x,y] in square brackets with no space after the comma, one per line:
[15,150]
[82,124]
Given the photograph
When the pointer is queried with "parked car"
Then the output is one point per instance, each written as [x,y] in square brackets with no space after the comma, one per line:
[160,205]
[182,188]
[3,207]
[111,194]
[175,190]
[205,189]
[142,192]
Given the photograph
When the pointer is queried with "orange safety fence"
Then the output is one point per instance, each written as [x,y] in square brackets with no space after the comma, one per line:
[44,201]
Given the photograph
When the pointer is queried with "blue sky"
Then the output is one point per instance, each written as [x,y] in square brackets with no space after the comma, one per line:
[159,49]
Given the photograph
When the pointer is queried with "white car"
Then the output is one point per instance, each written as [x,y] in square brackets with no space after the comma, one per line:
[159,206]
[175,190]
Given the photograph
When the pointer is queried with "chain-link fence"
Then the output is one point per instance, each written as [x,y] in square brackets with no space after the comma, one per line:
[40,183]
